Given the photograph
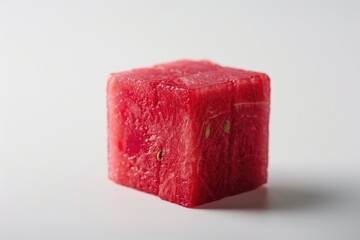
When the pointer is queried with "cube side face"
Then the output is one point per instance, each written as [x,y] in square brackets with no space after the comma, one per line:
[210,140]
[229,127]
[249,138]
[249,149]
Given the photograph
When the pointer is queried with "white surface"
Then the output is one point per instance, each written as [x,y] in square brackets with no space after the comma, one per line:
[55,57]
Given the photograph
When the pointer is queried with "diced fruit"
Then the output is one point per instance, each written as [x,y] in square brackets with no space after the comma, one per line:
[190,132]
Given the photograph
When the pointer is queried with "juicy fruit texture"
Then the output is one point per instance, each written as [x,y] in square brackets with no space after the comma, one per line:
[190,132]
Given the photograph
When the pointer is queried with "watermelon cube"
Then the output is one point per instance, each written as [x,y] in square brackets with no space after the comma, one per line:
[190,132]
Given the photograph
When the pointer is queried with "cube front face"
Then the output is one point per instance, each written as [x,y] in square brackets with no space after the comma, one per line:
[130,121]
[148,132]
[189,136]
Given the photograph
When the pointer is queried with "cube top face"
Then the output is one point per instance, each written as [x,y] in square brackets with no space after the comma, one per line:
[190,132]
[192,74]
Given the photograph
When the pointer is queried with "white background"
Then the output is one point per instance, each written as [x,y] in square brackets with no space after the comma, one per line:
[55,57]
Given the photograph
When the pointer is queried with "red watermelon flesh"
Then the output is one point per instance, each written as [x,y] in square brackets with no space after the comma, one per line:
[190,132]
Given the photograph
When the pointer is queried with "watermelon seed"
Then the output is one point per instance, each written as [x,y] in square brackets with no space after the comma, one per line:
[160,155]
[227,126]
[207,131]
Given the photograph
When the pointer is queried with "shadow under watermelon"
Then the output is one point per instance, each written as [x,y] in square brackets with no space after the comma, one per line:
[274,198]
